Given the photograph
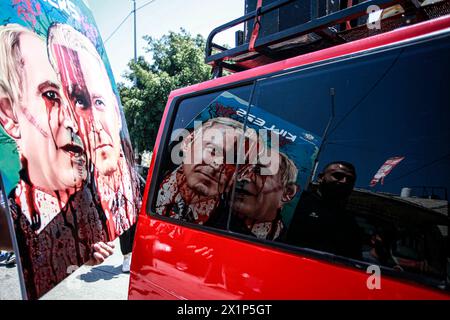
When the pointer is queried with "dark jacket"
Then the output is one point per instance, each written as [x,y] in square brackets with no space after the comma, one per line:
[321,226]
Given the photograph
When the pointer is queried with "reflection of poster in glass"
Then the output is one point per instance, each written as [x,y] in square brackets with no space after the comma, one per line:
[260,180]
[65,152]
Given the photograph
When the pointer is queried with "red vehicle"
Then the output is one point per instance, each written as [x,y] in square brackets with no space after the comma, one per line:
[372,90]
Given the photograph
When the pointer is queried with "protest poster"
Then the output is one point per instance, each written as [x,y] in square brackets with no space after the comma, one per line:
[65,154]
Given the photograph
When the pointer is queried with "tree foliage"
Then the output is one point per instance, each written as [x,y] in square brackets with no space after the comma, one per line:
[177,61]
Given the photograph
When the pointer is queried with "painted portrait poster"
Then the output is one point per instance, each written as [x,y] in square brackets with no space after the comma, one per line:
[65,154]
[239,168]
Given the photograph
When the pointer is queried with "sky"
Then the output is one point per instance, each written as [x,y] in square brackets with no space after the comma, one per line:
[157,19]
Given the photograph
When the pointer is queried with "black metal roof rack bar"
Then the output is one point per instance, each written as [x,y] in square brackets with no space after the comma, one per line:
[247,17]
[324,22]
[316,24]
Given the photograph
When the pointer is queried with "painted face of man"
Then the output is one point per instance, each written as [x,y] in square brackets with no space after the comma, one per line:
[49,138]
[89,89]
[211,175]
[103,129]
[258,197]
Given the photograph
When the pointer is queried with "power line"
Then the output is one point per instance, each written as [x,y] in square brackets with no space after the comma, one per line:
[125,19]
[145,4]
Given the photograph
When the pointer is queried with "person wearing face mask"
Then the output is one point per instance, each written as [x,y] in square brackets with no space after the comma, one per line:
[321,221]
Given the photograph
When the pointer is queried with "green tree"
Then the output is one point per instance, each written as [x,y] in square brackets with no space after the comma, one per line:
[177,61]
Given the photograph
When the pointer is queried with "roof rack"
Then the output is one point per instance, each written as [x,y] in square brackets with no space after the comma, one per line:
[338,25]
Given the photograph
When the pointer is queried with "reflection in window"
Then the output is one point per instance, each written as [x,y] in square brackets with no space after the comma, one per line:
[397,139]
[237,170]
[196,172]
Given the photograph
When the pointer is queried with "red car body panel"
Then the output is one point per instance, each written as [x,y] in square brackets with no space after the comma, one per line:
[171,261]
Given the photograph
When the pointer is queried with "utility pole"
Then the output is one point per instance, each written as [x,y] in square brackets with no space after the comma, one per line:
[136,151]
[135,32]
[135,39]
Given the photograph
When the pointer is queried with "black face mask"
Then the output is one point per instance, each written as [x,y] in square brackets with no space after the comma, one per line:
[336,192]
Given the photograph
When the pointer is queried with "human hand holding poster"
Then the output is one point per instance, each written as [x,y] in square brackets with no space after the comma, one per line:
[237,167]
[65,153]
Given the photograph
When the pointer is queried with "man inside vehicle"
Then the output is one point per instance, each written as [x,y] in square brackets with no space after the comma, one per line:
[321,221]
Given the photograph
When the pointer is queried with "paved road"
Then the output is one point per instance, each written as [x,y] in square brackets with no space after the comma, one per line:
[102,282]
[9,283]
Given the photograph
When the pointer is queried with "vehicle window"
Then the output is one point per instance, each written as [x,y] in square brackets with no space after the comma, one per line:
[389,143]
[216,143]
[194,174]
